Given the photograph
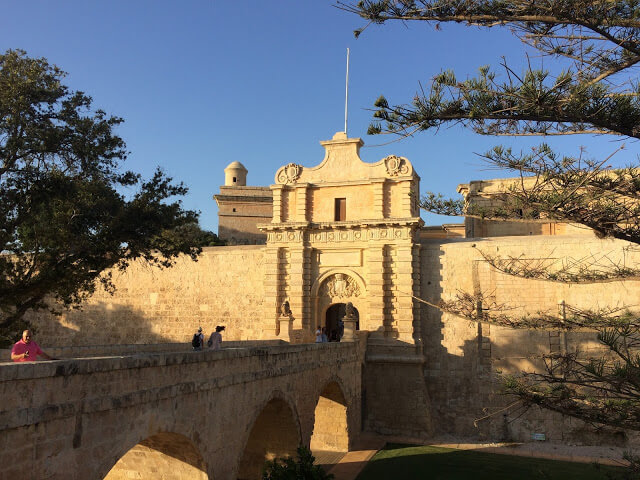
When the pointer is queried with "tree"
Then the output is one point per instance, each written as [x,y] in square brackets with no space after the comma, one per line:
[194,235]
[597,92]
[64,217]
[300,468]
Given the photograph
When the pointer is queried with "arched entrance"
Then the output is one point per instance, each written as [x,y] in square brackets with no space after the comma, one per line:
[330,293]
[333,320]
[166,455]
[274,434]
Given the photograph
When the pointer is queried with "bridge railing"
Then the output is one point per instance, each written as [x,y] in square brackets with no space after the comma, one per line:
[82,351]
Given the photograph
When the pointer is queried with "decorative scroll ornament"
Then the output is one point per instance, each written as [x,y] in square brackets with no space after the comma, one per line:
[340,286]
[396,165]
[289,173]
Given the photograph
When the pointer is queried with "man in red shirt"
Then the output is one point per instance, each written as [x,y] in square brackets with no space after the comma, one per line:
[26,350]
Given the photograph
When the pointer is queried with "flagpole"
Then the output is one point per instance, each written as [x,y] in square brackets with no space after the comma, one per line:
[346,95]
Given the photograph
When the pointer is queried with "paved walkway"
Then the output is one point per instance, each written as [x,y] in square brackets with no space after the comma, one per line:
[352,463]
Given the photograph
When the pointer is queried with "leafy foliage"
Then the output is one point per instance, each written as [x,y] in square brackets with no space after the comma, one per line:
[64,218]
[300,468]
[192,234]
[600,39]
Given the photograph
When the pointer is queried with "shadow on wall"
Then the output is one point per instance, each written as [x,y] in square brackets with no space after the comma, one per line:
[459,385]
[240,237]
[99,324]
[464,360]
[461,368]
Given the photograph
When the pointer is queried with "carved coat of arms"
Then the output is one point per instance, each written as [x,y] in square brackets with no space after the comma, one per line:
[340,286]
[396,165]
[289,173]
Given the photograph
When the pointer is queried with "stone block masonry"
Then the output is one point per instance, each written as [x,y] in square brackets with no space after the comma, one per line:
[464,359]
[224,287]
[76,419]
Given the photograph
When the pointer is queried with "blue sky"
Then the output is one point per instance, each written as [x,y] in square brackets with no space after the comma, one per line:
[203,83]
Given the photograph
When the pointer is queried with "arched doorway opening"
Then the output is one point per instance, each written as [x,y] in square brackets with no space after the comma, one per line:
[166,455]
[274,434]
[333,320]
[330,429]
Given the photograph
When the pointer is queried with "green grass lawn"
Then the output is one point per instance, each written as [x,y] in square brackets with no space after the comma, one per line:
[399,462]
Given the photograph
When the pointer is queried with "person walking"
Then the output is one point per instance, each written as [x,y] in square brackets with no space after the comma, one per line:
[215,340]
[26,350]
[319,335]
[198,340]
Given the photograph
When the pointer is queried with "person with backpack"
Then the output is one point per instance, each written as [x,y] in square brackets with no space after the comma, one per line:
[215,340]
[198,340]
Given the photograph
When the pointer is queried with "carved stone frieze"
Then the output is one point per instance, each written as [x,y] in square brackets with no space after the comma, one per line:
[340,286]
[396,165]
[350,236]
[295,236]
[384,233]
[289,173]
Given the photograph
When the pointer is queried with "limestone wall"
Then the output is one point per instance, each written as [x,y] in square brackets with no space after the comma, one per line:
[225,286]
[464,358]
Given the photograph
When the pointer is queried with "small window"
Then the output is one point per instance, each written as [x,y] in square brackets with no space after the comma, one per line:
[234,209]
[340,210]
[234,180]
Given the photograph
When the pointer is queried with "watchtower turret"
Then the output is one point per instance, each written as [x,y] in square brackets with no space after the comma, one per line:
[235,175]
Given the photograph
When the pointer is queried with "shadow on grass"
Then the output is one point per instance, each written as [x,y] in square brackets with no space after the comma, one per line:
[437,463]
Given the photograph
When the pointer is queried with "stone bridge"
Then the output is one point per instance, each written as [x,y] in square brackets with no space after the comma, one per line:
[197,415]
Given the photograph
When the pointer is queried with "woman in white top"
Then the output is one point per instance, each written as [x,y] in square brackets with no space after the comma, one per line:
[215,340]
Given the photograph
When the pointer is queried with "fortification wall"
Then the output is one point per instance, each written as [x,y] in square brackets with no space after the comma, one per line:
[464,359]
[225,286]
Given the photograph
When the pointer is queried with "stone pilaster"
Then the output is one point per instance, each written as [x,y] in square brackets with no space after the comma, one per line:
[301,204]
[407,197]
[405,314]
[300,287]
[375,290]
[417,291]
[271,287]
[277,203]
[378,199]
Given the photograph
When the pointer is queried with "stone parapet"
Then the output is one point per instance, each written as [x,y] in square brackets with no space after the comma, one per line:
[134,349]
[56,416]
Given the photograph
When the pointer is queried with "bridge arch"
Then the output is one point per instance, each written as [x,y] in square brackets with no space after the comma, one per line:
[274,432]
[331,426]
[166,455]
